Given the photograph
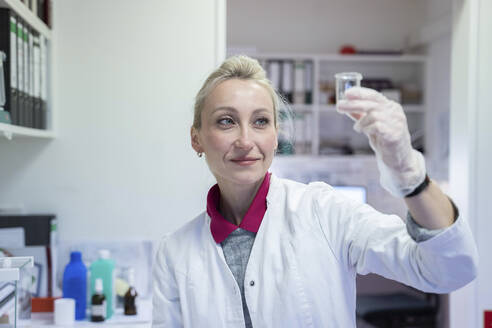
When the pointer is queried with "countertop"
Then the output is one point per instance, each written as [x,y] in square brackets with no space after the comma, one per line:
[142,320]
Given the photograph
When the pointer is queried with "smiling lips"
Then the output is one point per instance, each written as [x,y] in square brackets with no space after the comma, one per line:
[245,161]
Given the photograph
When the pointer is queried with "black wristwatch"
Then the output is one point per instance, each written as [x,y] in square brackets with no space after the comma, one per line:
[420,187]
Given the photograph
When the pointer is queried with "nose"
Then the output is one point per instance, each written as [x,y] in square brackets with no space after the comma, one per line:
[243,140]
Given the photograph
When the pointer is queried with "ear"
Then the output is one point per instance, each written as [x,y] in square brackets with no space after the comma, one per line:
[195,140]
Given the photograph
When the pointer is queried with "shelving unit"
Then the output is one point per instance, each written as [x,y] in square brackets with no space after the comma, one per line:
[26,14]
[325,125]
[10,131]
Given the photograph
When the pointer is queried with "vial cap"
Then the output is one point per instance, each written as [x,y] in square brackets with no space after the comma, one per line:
[104,254]
[98,285]
[348,76]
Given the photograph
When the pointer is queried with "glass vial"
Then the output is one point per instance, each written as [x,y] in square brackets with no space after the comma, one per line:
[345,81]
[130,295]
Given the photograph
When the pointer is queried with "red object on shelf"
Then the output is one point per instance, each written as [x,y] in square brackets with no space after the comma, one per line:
[347,50]
[43,304]
[487,319]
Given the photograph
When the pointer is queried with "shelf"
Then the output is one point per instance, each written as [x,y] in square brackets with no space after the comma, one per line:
[11,131]
[406,108]
[302,107]
[305,158]
[28,16]
[413,108]
[374,58]
[406,58]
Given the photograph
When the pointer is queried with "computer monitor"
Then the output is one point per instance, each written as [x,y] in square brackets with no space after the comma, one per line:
[358,193]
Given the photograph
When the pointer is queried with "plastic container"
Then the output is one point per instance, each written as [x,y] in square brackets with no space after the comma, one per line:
[104,268]
[75,284]
[16,278]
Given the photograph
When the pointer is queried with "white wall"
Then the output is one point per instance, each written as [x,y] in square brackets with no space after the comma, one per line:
[470,147]
[125,74]
[321,26]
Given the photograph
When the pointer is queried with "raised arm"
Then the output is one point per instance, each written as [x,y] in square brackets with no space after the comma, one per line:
[402,168]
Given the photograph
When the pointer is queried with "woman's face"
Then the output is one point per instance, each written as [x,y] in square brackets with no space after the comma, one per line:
[237,134]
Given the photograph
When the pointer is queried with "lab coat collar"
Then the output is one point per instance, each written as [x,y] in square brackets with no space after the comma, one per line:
[221,228]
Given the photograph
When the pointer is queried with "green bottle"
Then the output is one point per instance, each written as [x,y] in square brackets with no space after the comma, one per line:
[103,268]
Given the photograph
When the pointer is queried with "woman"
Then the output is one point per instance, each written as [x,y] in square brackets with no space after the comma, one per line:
[270,252]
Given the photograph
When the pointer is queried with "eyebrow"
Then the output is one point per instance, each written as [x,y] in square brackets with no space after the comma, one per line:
[235,110]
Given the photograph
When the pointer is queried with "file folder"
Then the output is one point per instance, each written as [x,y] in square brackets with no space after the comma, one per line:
[27,99]
[8,44]
[308,81]
[274,73]
[288,80]
[30,74]
[44,80]
[37,81]
[299,81]
[20,72]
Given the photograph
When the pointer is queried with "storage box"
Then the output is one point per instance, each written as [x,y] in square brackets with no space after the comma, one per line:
[16,278]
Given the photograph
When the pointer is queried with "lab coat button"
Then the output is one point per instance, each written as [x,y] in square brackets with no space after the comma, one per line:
[252,283]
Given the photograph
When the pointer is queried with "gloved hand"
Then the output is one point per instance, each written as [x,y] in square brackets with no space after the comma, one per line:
[401,167]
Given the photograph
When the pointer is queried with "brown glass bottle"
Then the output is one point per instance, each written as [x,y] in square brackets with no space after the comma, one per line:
[98,301]
[129,301]
[130,295]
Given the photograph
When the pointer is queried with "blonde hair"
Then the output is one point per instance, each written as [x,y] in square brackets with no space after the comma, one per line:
[235,67]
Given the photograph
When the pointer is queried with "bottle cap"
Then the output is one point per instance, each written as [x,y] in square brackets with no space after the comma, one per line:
[75,256]
[104,254]
[98,285]
[131,277]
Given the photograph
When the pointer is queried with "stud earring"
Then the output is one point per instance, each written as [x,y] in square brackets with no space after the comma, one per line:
[200,154]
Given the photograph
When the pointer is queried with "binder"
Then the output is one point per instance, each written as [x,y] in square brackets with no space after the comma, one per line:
[20,72]
[8,42]
[30,107]
[37,81]
[27,99]
[274,73]
[41,10]
[11,91]
[299,80]
[308,81]
[288,80]
[34,6]
[44,80]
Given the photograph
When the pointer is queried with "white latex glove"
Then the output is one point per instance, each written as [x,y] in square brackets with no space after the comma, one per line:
[402,168]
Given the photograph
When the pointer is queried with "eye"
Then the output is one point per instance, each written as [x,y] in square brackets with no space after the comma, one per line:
[262,121]
[225,121]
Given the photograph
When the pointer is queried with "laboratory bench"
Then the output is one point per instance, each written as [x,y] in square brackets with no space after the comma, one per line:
[142,320]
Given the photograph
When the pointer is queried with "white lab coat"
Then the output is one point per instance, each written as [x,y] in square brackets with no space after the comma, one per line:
[310,246]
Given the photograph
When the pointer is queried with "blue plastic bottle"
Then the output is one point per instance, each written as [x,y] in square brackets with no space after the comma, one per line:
[75,284]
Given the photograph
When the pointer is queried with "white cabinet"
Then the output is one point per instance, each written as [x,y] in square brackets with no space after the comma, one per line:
[36,24]
[320,130]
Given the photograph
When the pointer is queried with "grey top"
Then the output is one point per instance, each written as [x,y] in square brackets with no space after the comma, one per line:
[237,247]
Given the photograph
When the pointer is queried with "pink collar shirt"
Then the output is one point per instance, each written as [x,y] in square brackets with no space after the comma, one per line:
[221,228]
